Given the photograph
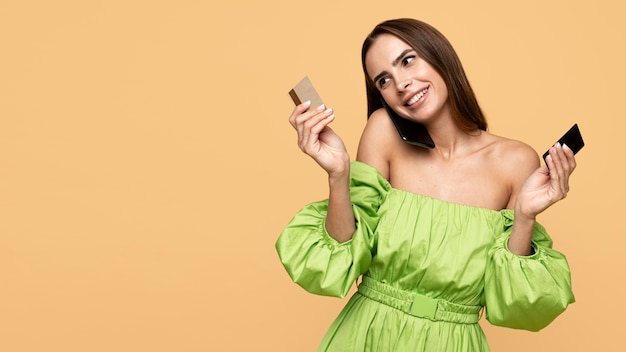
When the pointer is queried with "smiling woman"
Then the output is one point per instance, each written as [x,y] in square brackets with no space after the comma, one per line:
[436,234]
[436,51]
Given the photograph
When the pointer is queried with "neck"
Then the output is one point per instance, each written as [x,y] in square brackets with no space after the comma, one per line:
[450,141]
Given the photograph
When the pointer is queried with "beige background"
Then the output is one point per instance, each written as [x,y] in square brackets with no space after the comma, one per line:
[147,165]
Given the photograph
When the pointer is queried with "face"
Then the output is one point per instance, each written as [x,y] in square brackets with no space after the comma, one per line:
[409,84]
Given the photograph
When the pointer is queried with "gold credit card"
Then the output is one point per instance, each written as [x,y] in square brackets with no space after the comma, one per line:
[304,91]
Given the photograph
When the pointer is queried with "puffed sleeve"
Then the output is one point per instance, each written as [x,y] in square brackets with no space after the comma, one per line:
[526,292]
[319,263]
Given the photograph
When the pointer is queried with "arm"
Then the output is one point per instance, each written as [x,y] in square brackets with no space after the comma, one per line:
[320,142]
[526,292]
[378,140]
[544,187]
[312,247]
[318,262]
[340,218]
[528,284]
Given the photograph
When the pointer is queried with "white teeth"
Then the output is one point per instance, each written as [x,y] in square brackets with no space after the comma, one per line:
[417,97]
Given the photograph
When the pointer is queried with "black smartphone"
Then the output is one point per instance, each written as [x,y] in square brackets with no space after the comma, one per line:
[410,131]
[572,138]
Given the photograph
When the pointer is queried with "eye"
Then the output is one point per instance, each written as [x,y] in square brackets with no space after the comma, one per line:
[408,59]
[382,82]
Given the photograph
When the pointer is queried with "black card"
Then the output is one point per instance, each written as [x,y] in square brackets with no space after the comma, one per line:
[572,138]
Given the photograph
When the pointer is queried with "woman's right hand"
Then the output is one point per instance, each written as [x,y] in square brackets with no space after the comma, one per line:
[318,140]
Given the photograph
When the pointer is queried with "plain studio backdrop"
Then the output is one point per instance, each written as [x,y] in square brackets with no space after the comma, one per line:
[147,165]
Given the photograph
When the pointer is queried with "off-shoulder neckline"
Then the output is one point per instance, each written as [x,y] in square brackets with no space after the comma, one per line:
[419,195]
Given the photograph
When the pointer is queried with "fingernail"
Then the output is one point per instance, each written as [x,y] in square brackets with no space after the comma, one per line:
[566,147]
[328,110]
[331,117]
[307,103]
[321,107]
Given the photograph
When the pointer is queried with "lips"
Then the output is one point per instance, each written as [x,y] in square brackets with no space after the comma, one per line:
[417,97]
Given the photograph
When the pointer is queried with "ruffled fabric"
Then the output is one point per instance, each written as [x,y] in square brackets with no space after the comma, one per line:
[441,250]
[526,292]
[319,263]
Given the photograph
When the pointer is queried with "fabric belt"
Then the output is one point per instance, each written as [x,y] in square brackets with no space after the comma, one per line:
[418,305]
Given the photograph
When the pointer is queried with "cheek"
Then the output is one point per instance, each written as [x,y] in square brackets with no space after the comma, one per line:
[389,97]
[444,92]
[442,89]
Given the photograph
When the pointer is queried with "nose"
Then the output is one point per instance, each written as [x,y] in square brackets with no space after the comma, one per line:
[403,84]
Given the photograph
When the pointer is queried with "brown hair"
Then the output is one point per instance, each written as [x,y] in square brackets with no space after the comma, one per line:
[435,49]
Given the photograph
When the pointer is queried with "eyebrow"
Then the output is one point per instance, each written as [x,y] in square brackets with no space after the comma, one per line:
[393,63]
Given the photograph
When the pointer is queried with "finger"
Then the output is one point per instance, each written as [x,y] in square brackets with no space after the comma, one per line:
[297,111]
[300,121]
[571,158]
[314,126]
[561,171]
[569,161]
[301,118]
[312,122]
[317,129]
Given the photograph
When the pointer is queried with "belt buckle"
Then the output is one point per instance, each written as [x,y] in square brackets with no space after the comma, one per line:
[423,307]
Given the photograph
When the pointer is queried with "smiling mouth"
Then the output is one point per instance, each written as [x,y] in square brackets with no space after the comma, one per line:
[417,97]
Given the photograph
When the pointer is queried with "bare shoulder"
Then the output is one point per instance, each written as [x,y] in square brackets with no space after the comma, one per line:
[517,162]
[378,141]
[515,155]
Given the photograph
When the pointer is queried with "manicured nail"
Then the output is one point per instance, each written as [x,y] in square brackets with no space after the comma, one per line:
[321,107]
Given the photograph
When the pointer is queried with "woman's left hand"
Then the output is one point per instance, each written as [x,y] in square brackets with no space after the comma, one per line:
[547,185]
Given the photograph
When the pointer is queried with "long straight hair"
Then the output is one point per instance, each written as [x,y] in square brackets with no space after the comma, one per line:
[435,49]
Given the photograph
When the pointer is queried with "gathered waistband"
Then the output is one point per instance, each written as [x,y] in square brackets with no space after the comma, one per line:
[418,305]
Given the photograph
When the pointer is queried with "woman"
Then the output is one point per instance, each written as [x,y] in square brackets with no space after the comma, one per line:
[438,233]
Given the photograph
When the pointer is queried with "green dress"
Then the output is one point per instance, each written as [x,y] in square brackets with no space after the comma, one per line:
[428,268]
